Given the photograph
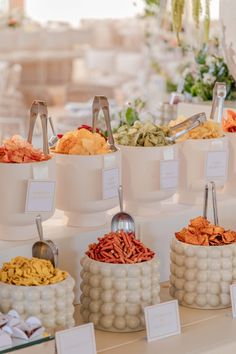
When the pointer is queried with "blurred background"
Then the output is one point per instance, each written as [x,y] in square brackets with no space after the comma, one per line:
[65,52]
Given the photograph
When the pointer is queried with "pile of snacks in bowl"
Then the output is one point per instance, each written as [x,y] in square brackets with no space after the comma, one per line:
[17,150]
[142,134]
[203,265]
[82,142]
[33,287]
[119,278]
[208,130]
[229,122]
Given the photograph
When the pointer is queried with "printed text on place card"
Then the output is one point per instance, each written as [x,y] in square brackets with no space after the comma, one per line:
[169,174]
[110,183]
[216,164]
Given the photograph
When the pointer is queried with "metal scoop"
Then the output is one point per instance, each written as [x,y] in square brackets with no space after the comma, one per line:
[39,108]
[122,220]
[219,94]
[189,124]
[54,138]
[101,102]
[214,202]
[44,249]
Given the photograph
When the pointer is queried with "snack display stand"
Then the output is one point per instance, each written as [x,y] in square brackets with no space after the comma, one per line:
[206,332]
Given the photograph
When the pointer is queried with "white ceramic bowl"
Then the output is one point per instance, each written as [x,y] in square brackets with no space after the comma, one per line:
[201,275]
[230,185]
[52,304]
[79,191]
[114,295]
[141,177]
[193,161]
[15,224]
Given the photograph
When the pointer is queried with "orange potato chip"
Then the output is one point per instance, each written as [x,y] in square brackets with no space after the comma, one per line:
[229,123]
[17,150]
[201,232]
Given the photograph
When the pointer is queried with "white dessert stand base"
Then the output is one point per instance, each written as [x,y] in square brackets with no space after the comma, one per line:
[86,220]
[142,209]
[197,198]
[18,233]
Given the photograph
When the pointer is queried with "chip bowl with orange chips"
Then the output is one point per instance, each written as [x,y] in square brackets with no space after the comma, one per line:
[203,265]
[20,163]
[85,167]
[33,287]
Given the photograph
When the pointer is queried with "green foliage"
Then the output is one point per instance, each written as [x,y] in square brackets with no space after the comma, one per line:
[131,113]
[199,81]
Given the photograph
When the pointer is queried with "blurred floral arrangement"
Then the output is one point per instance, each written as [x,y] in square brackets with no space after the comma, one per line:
[11,19]
[199,79]
[178,7]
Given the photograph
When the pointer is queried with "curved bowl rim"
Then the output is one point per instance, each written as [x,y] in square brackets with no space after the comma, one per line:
[201,246]
[69,277]
[122,264]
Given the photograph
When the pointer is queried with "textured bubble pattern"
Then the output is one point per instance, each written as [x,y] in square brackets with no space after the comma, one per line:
[201,275]
[114,295]
[52,304]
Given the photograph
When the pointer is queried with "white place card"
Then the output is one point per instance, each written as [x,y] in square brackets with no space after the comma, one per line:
[40,171]
[233,299]
[40,196]
[76,340]
[110,183]
[216,164]
[169,174]
[162,320]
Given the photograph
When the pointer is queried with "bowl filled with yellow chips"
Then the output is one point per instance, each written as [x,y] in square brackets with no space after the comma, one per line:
[33,287]
[85,167]
[204,154]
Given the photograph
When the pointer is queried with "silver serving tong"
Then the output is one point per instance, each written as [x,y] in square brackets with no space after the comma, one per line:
[44,249]
[122,220]
[219,94]
[214,202]
[189,124]
[54,138]
[101,102]
[39,108]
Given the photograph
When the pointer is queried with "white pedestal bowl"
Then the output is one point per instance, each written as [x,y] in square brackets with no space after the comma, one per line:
[80,187]
[15,224]
[201,275]
[193,168]
[52,304]
[141,177]
[114,295]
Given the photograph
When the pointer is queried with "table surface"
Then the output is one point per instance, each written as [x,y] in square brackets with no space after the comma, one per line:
[203,331]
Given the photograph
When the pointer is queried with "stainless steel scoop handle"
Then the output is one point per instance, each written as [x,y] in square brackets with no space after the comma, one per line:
[38,220]
[52,125]
[190,124]
[39,108]
[219,94]
[101,102]
[214,202]
[120,194]
[33,117]
[96,109]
